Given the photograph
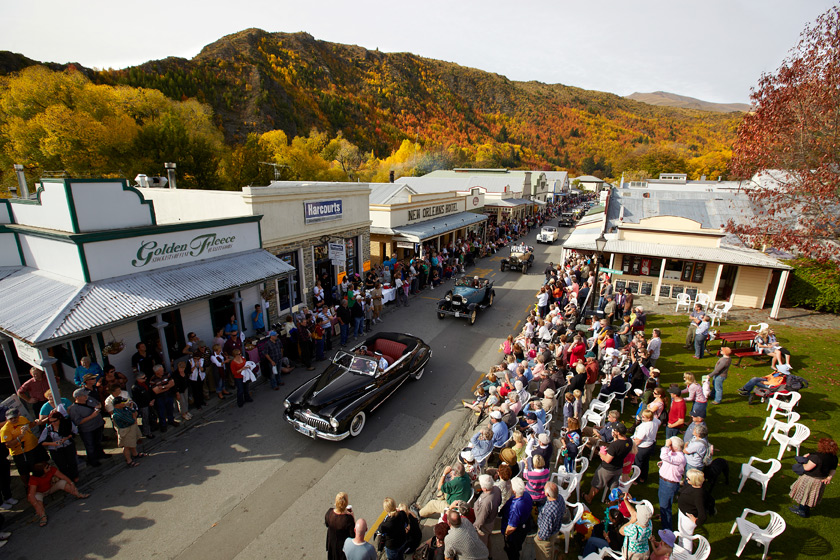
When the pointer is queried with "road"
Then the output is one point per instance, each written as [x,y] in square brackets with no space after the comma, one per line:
[241,484]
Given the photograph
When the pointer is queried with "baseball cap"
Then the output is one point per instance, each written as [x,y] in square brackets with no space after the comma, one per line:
[89,376]
[12,413]
[531,416]
[783,368]
[698,414]
[272,333]
[496,415]
[79,393]
[620,428]
[674,389]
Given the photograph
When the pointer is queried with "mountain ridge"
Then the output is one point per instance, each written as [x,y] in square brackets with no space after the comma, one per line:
[668,99]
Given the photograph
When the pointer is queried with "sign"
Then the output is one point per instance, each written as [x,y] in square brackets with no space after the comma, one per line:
[337,253]
[610,271]
[405,245]
[432,211]
[152,250]
[322,211]
[29,354]
[366,266]
[341,276]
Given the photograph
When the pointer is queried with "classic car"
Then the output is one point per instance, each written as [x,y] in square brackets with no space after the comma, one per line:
[567,219]
[335,404]
[466,298]
[521,258]
[548,234]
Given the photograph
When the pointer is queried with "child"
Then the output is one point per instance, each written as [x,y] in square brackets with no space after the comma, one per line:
[578,405]
[478,403]
[568,409]
[571,444]
[368,313]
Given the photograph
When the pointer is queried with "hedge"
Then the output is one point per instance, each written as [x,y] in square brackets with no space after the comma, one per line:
[815,285]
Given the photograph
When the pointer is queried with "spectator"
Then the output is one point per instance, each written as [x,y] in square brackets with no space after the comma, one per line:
[339,521]
[124,416]
[218,361]
[612,460]
[357,548]
[257,319]
[671,470]
[49,406]
[455,485]
[695,394]
[698,419]
[163,388]
[272,351]
[86,367]
[486,508]
[676,414]
[654,347]
[22,443]
[720,373]
[144,398]
[44,481]
[645,439]
[694,319]
[33,390]
[637,531]
[181,377]
[393,530]
[701,335]
[462,540]
[697,448]
[237,364]
[818,469]
[57,438]
[86,416]
[536,478]
[692,508]
[549,521]
[516,519]
[771,381]
[571,444]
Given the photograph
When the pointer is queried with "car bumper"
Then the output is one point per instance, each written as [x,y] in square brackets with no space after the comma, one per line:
[312,432]
[461,314]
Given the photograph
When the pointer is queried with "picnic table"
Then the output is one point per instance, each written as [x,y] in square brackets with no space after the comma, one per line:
[736,337]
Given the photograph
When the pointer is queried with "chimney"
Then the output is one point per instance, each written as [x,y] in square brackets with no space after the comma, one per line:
[24,189]
[719,178]
[702,177]
[170,174]
[391,176]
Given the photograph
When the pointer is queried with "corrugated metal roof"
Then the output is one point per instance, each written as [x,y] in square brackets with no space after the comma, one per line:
[711,209]
[388,193]
[508,202]
[37,307]
[439,226]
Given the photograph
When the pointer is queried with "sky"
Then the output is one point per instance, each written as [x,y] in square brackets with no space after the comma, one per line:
[713,50]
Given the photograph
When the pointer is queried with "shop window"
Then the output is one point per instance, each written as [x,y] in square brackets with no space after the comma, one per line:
[174,332]
[288,287]
[692,271]
[352,263]
[321,252]
[641,266]
[221,310]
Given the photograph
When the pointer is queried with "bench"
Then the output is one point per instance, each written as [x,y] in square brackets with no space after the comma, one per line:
[746,353]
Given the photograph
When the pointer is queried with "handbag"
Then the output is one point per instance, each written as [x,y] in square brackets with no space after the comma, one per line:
[799,468]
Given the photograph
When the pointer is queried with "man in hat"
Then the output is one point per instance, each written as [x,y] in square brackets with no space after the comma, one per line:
[458,487]
[272,351]
[501,433]
[22,443]
[533,426]
[767,382]
[86,367]
[381,361]
[612,460]
[698,418]
[85,414]
[676,414]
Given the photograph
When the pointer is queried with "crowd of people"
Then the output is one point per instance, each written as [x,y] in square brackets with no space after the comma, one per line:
[535,402]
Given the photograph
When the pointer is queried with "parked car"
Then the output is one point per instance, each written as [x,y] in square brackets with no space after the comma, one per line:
[548,234]
[466,298]
[335,404]
[521,258]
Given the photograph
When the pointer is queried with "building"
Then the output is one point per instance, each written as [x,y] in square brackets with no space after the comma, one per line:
[87,268]
[558,184]
[300,222]
[403,220]
[668,242]
[589,183]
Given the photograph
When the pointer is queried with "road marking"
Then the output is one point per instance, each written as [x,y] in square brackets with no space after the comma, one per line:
[516,326]
[435,442]
[375,526]
[427,297]
[492,275]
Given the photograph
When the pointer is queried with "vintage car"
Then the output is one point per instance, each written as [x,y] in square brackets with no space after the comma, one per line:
[466,298]
[567,219]
[521,258]
[336,404]
[548,234]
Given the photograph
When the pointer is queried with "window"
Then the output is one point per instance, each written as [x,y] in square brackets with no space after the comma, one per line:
[174,331]
[288,287]
[221,310]
[692,271]
[641,266]
[352,264]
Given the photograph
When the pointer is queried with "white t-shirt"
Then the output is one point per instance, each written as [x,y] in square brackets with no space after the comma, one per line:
[646,433]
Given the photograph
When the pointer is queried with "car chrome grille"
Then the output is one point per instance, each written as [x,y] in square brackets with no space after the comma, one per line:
[312,420]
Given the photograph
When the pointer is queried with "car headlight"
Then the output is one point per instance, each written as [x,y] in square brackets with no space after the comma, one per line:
[334,423]
[287,404]
[448,297]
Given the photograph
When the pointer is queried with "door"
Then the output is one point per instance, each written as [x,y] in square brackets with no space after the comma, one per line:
[727,282]
[324,273]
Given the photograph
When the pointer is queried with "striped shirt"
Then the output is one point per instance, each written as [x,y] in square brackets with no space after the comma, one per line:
[535,483]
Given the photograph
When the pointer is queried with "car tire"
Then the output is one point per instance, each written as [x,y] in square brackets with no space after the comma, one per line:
[357,424]
[490,300]
[441,315]
[502,267]
[524,269]
[473,316]
[419,374]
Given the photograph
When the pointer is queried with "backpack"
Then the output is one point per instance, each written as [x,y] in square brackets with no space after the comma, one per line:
[122,417]
[795,383]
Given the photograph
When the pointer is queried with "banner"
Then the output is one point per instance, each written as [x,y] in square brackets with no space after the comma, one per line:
[322,211]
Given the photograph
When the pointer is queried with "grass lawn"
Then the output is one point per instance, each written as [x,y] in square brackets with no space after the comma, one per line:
[735,431]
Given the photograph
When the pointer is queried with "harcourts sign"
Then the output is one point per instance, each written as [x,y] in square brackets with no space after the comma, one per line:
[321,211]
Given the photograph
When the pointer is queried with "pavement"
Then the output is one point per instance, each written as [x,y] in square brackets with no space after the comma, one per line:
[240,483]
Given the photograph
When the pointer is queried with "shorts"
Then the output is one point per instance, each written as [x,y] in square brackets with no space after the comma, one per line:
[128,437]
[605,478]
[57,484]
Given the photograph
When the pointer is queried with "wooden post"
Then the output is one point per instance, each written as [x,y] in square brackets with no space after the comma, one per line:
[661,277]
[717,284]
[780,292]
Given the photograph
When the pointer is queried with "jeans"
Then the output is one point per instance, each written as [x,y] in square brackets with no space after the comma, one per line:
[513,543]
[197,392]
[594,544]
[165,405]
[667,492]
[699,408]
[700,344]
[642,460]
[671,432]
[402,297]
[753,383]
[358,326]
[243,391]
[345,330]
[146,416]
[274,379]
[93,445]
[395,554]
[718,385]
[319,349]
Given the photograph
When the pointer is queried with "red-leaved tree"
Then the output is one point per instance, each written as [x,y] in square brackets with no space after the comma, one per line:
[791,139]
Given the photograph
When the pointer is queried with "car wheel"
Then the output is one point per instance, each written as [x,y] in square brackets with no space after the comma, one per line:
[524,269]
[441,315]
[490,301]
[419,374]
[473,316]
[357,424]
[503,267]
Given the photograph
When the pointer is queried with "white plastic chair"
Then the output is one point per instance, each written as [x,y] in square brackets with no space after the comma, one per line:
[800,434]
[569,527]
[605,552]
[581,464]
[624,486]
[621,397]
[703,299]
[719,312]
[759,327]
[599,406]
[783,401]
[702,550]
[596,418]
[770,423]
[566,484]
[748,471]
[751,531]
[683,300]
[604,398]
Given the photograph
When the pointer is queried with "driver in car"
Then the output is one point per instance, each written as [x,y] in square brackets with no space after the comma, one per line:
[383,363]
[476,283]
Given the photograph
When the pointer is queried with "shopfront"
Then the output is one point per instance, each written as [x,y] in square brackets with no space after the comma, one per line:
[94,273]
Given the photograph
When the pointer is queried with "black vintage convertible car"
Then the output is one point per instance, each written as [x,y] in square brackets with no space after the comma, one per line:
[335,404]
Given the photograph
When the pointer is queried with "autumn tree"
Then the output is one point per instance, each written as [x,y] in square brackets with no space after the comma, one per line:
[789,148]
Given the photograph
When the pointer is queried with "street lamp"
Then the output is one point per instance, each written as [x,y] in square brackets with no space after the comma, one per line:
[600,244]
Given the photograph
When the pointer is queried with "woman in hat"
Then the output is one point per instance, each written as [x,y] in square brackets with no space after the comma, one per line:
[637,531]
[662,549]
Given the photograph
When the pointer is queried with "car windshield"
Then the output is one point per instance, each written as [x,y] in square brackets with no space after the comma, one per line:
[519,249]
[363,365]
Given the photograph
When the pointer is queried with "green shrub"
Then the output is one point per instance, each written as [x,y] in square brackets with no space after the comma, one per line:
[815,285]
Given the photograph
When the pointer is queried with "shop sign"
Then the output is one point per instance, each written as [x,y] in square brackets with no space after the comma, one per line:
[337,253]
[322,211]
[432,211]
[341,276]
[366,266]
[29,354]
[405,245]
[154,251]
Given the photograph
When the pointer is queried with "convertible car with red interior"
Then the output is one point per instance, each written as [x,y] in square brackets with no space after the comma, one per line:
[336,404]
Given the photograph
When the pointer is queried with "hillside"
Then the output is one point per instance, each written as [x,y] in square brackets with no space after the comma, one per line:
[257,81]
[665,99]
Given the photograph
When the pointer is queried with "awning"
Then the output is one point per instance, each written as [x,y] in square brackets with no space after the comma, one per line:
[508,202]
[38,307]
[432,228]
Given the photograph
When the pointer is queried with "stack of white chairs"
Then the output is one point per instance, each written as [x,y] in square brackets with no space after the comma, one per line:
[623,487]
[567,528]
[782,402]
[770,424]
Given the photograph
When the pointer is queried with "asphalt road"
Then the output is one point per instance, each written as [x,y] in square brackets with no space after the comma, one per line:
[243,484]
